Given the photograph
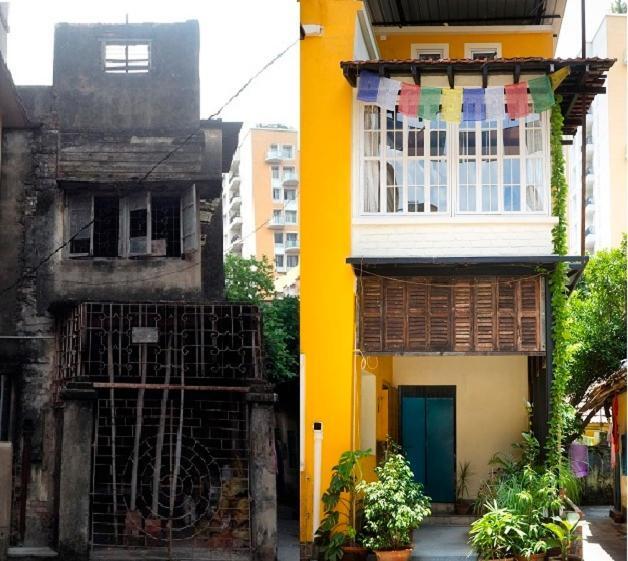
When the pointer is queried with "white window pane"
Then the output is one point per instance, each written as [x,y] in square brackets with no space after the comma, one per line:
[394,186]
[511,137]
[467,184]
[371,186]
[534,184]
[489,186]
[438,186]
[416,186]
[512,185]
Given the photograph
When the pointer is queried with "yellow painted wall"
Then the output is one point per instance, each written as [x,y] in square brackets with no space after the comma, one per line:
[513,44]
[491,395]
[327,282]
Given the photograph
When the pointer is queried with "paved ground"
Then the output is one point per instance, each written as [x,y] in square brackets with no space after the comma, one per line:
[604,540]
[287,540]
[439,542]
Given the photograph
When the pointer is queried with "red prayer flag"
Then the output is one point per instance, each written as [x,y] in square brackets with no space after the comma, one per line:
[409,99]
[517,99]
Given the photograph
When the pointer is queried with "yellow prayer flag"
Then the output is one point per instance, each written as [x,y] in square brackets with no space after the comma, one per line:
[451,102]
[557,77]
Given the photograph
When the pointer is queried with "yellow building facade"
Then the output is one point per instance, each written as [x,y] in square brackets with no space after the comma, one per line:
[353,394]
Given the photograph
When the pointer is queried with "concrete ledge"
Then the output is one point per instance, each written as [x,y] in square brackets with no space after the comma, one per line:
[25,553]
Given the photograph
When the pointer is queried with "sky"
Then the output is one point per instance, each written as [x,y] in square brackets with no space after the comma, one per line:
[237,38]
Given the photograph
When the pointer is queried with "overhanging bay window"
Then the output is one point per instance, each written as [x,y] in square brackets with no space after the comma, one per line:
[414,167]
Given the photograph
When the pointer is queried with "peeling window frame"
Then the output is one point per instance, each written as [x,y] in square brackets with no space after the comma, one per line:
[126,69]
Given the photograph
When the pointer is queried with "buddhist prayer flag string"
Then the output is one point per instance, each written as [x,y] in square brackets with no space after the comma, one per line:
[368,85]
[517,99]
[429,104]
[409,100]
[494,103]
[451,100]
[456,104]
[542,93]
[556,78]
[473,105]
[387,93]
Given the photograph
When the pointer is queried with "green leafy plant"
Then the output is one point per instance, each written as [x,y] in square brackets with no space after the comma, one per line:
[251,280]
[564,535]
[462,482]
[340,500]
[394,505]
[494,535]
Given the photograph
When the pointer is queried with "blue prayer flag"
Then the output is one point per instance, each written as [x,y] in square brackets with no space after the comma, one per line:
[473,104]
[368,86]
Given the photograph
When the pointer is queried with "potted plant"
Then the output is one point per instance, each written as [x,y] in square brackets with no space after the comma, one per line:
[495,534]
[394,505]
[463,506]
[338,531]
[564,536]
[532,545]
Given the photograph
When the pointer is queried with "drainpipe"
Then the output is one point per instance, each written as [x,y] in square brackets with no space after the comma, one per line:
[318,452]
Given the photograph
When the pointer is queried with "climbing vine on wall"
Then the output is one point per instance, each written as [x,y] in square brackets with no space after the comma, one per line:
[558,283]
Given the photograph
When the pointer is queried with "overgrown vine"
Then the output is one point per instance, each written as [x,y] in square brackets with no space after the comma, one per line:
[558,287]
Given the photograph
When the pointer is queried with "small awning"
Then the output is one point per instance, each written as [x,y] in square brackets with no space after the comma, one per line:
[496,265]
[584,82]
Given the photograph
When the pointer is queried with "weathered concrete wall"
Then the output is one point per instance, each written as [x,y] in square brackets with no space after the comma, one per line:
[78,423]
[165,97]
[263,469]
[6,467]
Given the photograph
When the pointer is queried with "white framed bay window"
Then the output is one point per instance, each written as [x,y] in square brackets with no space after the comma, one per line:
[415,168]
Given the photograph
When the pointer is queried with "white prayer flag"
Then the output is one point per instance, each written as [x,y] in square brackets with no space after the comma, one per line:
[387,93]
[494,99]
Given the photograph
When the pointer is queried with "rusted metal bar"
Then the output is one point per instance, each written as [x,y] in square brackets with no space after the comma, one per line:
[131,386]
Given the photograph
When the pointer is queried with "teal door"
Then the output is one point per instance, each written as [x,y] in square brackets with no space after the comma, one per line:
[428,437]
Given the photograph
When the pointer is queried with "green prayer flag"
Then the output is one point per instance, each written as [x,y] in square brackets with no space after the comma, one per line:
[542,93]
[429,103]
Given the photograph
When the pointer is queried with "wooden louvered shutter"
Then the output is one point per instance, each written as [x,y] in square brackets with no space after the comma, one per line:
[463,315]
[485,315]
[417,314]
[529,314]
[506,314]
[394,315]
[372,308]
[440,315]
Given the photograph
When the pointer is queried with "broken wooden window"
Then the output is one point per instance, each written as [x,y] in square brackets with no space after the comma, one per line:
[166,226]
[138,204]
[80,218]
[189,211]
[126,57]
[106,225]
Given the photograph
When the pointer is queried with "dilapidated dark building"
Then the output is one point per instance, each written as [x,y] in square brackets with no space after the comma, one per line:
[128,386]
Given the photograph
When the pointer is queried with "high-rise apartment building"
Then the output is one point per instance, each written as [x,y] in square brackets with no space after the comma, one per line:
[260,202]
[606,173]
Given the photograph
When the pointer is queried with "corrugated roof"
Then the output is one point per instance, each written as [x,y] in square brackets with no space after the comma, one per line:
[585,81]
[469,12]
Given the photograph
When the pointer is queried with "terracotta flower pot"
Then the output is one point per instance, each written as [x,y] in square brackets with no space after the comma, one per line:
[354,553]
[534,557]
[393,554]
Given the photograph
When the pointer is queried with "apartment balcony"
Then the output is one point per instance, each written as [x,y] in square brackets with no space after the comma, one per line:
[234,202]
[590,211]
[589,151]
[589,242]
[590,183]
[273,157]
[277,222]
[290,180]
[280,249]
[235,221]
[292,246]
[234,183]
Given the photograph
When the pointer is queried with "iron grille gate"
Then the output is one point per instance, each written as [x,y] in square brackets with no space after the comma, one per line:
[184,487]
[170,468]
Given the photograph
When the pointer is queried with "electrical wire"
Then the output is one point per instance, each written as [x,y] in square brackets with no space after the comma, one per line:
[32,273]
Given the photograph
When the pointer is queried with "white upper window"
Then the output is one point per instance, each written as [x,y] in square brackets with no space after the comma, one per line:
[434,168]
[126,57]
[476,51]
[429,51]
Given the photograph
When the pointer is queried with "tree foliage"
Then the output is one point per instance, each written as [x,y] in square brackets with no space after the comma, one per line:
[597,321]
[251,280]
[618,7]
